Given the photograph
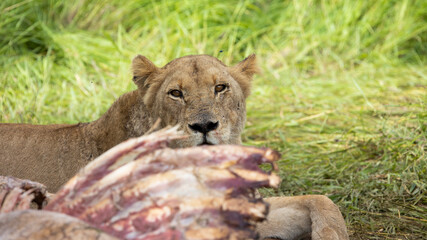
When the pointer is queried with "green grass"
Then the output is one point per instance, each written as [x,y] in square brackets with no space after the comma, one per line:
[342,95]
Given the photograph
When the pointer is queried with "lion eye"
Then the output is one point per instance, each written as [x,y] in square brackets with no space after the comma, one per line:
[176,93]
[220,88]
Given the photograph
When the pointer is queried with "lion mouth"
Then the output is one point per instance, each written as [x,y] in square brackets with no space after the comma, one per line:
[205,142]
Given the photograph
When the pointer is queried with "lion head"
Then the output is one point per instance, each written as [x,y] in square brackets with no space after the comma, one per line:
[201,94]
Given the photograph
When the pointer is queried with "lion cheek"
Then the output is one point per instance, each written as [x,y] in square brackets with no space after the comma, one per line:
[170,116]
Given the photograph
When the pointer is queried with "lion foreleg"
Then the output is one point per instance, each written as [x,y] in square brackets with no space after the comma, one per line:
[303,217]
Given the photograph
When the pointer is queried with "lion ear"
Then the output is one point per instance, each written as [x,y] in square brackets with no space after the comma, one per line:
[243,73]
[142,68]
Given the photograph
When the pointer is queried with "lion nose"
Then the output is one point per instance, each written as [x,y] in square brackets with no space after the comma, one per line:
[204,127]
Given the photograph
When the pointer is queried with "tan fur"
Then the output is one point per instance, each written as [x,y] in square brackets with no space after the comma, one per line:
[303,217]
[52,154]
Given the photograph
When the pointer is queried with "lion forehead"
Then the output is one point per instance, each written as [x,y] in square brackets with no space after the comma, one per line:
[188,78]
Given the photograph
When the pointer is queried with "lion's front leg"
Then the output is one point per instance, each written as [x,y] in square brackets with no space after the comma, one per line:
[303,217]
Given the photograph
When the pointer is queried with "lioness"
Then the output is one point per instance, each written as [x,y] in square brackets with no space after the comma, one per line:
[201,94]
